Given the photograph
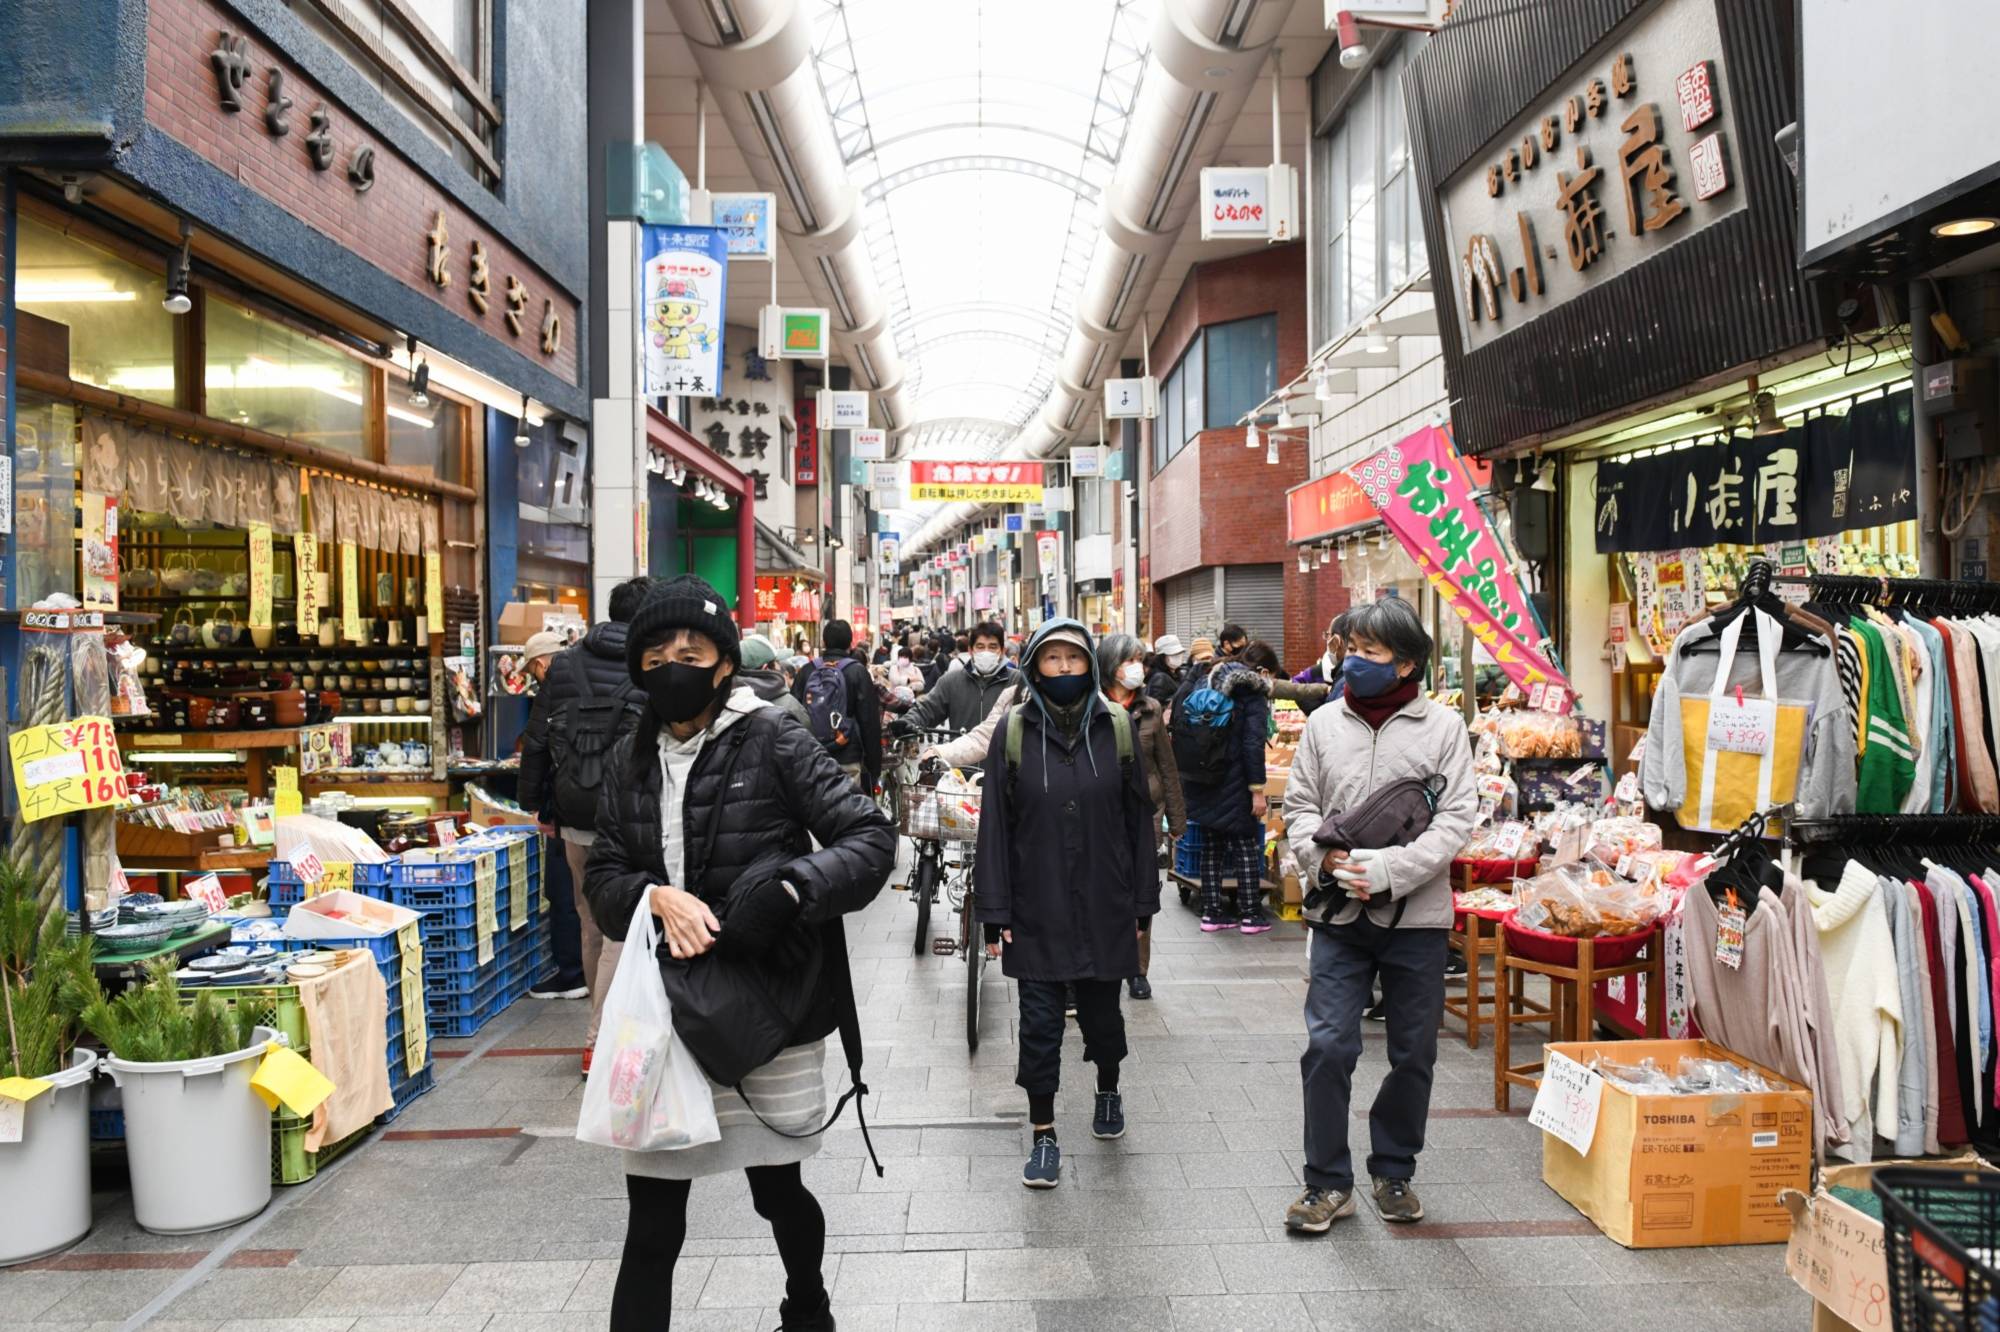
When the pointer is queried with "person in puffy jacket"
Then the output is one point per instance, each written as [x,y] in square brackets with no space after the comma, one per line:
[716,787]
[1228,805]
[1066,877]
[592,667]
[1392,926]
[762,676]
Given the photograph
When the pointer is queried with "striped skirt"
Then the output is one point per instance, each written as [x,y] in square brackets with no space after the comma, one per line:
[789,1092]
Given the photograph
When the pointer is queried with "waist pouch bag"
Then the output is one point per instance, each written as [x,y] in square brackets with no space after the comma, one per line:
[1393,815]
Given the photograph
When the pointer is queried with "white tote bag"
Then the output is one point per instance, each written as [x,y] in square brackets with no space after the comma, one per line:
[646,1093]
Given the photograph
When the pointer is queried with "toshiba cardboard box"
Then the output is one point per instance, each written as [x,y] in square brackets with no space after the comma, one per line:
[1664,1172]
[1835,1252]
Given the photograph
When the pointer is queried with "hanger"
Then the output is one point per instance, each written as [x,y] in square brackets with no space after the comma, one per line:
[1755,593]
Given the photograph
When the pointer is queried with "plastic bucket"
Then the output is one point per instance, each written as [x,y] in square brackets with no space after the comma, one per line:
[197,1139]
[47,1173]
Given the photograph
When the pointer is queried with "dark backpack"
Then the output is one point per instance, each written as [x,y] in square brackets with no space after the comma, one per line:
[830,710]
[580,743]
[1203,729]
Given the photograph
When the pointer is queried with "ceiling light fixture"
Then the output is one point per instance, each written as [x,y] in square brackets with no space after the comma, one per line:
[177,301]
[420,377]
[1340,551]
[1545,477]
[1375,341]
[521,438]
[1250,439]
[1768,420]
[1271,452]
[1353,51]
[1284,419]
[1305,559]
[1965,226]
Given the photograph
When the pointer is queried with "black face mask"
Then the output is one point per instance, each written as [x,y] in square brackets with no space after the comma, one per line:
[680,692]
[1064,690]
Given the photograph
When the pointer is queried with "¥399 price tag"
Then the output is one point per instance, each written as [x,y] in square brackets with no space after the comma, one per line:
[1742,726]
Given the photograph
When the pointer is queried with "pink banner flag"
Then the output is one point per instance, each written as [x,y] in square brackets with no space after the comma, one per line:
[1425,494]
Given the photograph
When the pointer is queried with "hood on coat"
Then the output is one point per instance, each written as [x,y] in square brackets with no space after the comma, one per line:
[765,683]
[1233,678]
[1058,631]
[607,640]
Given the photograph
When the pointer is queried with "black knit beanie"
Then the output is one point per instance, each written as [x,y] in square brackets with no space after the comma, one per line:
[683,602]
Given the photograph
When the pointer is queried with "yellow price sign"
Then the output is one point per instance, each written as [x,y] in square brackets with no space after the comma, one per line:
[260,575]
[434,592]
[338,876]
[285,799]
[285,1077]
[305,557]
[350,592]
[66,768]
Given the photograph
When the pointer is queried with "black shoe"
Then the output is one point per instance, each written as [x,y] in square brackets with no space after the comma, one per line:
[1379,1012]
[819,1319]
[1069,1001]
[1139,987]
[1454,966]
[1109,1121]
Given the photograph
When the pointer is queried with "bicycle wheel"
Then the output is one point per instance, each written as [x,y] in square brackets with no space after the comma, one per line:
[923,887]
[975,958]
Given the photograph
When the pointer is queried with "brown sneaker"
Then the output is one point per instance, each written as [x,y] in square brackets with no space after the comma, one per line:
[1395,1200]
[1317,1209]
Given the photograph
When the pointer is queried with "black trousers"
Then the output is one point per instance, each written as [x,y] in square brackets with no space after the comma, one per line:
[1040,1069]
[642,1299]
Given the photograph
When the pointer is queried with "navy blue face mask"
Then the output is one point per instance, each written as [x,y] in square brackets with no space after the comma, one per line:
[1064,690]
[1369,679]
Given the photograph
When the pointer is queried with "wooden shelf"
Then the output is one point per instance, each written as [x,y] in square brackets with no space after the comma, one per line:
[380,786]
[281,737]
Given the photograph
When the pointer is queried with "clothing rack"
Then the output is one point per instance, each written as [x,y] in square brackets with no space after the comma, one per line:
[1894,829]
[1941,595]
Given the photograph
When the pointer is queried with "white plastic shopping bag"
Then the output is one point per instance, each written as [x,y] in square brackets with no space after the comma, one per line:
[646,1093]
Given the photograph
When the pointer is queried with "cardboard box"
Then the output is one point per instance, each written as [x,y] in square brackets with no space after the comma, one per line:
[521,619]
[345,915]
[1669,1172]
[1835,1251]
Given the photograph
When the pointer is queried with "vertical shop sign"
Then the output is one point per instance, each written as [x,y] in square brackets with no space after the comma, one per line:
[350,592]
[1425,495]
[305,556]
[684,280]
[100,552]
[805,410]
[433,592]
[260,575]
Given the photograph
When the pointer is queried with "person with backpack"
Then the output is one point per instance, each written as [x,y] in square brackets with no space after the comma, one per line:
[1121,664]
[1379,911]
[843,709]
[586,704]
[1220,721]
[739,829]
[1065,879]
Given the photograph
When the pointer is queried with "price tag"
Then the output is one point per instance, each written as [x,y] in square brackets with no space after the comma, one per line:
[434,592]
[1742,725]
[339,878]
[260,575]
[285,793]
[1624,867]
[305,560]
[1583,774]
[1621,622]
[207,890]
[1555,698]
[1536,693]
[447,833]
[309,869]
[1567,1102]
[1508,840]
[350,593]
[1730,920]
[67,767]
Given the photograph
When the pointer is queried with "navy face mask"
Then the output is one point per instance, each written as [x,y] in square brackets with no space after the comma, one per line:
[1064,690]
[1369,679]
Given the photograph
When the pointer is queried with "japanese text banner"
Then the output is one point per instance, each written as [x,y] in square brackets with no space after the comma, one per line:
[1421,487]
[983,482]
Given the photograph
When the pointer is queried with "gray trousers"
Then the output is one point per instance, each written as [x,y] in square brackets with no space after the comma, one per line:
[600,955]
[1346,960]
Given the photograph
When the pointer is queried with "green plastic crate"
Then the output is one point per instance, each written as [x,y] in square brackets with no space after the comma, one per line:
[291,1163]
[277,1006]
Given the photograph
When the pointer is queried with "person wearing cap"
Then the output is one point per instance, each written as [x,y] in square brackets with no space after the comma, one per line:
[747,840]
[1065,879]
[1163,678]
[541,649]
[761,674]
[591,668]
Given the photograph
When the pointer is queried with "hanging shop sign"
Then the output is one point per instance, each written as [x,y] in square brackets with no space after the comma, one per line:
[1631,156]
[1831,475]
[747,220]
[1424,493]
[805,465]
[890,546]
[792,334]
[984,482]
[871,445]
[1235,201]
[845,409]
[1086,463]
[982,598]
[684,289]
[1325,505]
[1132,399]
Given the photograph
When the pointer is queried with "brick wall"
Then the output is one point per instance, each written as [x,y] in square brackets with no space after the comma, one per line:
[388,225]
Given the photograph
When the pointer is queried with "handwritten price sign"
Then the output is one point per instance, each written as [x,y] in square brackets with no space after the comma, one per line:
[66,768]
[1745,726]
[1567,1102]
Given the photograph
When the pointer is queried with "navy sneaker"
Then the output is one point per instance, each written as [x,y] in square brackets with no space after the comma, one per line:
[1109,1121]
[1044,1168]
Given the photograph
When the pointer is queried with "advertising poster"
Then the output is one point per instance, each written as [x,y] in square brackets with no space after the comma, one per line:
[100,551]
[981,482]
[683,295]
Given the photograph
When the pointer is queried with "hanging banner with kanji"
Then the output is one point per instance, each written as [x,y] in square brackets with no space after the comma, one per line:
[66,768]
[1425,494]
[980,482]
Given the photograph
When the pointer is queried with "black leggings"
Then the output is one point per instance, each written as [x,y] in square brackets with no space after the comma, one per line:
[658,1227]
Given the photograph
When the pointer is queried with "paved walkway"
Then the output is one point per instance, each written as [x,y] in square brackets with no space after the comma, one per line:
[479,1211]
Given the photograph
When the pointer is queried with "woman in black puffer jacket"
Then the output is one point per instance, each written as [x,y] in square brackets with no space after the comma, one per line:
[718,797]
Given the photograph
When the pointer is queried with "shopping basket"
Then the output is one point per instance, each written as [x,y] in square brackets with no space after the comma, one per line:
[1941,1241]
[938,814]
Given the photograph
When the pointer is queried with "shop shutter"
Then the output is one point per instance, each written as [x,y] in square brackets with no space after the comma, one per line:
[1190,606]
[1253,595]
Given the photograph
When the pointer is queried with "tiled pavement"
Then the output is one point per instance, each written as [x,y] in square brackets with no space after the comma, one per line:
[481,1212]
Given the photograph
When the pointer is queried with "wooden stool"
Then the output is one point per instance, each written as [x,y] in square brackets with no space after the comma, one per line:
[1572,997]
[1475,936]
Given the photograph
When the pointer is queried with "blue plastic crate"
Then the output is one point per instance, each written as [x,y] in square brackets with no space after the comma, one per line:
[457,1026]
[1187,860]
[409,1090]
[386,948]
[463,992]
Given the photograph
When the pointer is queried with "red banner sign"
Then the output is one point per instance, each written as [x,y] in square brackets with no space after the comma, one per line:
[805,410]
[1321,507]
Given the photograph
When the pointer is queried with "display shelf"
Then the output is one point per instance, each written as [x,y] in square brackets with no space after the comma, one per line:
[362,782]
[277,737]
[296,651]
[184,853]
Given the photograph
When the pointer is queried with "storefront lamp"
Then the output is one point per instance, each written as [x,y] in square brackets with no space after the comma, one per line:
[1768,420]
[1965,226]
[521,440]
[1284,419]
[1375,340]
[1250,439]
[1545,477]
[177,302]
[1340,550]
[1305,559]
[1353,51]
[420,378]
[1271,453]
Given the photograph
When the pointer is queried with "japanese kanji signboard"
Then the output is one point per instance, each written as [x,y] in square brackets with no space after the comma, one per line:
[1628,156]
[66,768]
[683,297]
[1425,494]
[1838,472]
[982,482]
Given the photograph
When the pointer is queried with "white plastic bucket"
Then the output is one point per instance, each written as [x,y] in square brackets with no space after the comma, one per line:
[46,1175]
[197,1139]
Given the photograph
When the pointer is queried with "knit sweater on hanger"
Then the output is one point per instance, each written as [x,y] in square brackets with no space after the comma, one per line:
[1859,959]
[1914,1100]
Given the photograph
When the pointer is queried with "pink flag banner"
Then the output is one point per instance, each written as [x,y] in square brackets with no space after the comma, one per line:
[1424,492]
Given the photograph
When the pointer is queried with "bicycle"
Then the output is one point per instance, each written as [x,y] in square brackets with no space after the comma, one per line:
[945,827]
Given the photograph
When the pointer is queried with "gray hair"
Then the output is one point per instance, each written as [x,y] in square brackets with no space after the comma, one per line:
[1392,622]
[1113,651]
